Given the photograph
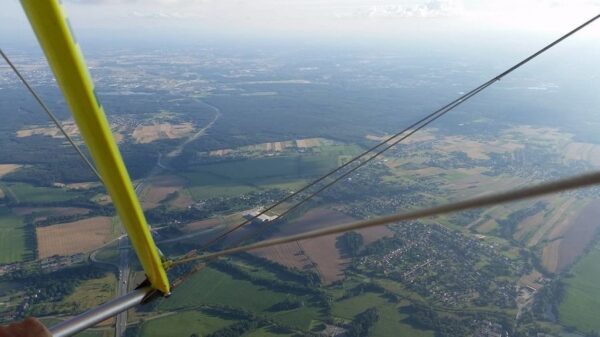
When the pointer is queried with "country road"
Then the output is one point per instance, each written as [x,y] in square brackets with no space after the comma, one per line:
[124,267]
[177,151]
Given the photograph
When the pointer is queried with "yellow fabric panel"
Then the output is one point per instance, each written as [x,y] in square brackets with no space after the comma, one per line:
[66,60]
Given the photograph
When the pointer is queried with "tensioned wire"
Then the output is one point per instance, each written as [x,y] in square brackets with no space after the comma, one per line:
[565,184]
[312,195]
[413,128]
[52,116]
[571,183]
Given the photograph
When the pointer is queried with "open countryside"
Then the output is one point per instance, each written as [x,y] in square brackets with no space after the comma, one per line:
[212,136]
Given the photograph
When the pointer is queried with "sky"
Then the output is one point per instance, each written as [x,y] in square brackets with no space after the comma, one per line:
[344,19]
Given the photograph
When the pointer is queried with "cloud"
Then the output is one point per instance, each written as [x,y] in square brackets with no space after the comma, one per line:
[139,2]
[430,9]
[164,15]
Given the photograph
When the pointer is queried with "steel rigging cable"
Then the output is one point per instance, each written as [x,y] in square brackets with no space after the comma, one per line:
[571,183]
[51,115]
[415,127]
[530,192]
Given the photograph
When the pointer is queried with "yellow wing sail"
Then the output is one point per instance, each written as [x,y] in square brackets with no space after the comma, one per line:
[53,32]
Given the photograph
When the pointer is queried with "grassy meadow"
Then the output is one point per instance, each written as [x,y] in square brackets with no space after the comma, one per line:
[390,321]
[581,302]
[229,178]
[12,237]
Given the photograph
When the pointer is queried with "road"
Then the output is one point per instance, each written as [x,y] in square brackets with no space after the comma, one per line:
[177,151]
[122,286]
[124,268]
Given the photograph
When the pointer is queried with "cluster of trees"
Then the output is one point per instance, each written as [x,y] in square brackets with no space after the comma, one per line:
[59,219]
[509,225]
[364,288]
[229,312]
[133,331]
[238,329]
[350,242]
[547,300]
[307,278]
[362,323]
[49,173]
[320,297]
[52,287]
[383,246]
[61,283]
[423,317]
[164,215]
[275,285]
[247,321]
[286,304]
[49,161]
[30,242]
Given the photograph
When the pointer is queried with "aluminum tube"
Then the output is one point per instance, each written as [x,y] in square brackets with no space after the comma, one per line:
[100,313]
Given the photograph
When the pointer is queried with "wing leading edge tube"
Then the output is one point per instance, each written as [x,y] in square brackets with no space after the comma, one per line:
[53,32]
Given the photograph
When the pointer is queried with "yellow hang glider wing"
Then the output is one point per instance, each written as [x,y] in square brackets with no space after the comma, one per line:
[53,32]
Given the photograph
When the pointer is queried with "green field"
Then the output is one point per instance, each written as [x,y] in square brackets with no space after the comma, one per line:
[390,321]
[266,332]
[92,333]
[212,287]
[184,324]
[28,193]
[12,237]
[581,304]
[230,178]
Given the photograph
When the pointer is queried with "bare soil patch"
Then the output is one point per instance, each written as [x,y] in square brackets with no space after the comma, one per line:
[70,128]
[532,279]
[578,235]
[52,131]
[583,151]
[422,136]
[74,237]
[559,214]
[321,251]
[220,153]
[308,143]
[550,256]
[51,211]
[326,257]
[8,168]
[375,233]
[183,200]
[487,226]
[82,186]
[158,188]
[102,199]
[289,254]
[313,219]
[200,225]
[271,147]
[149,133]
